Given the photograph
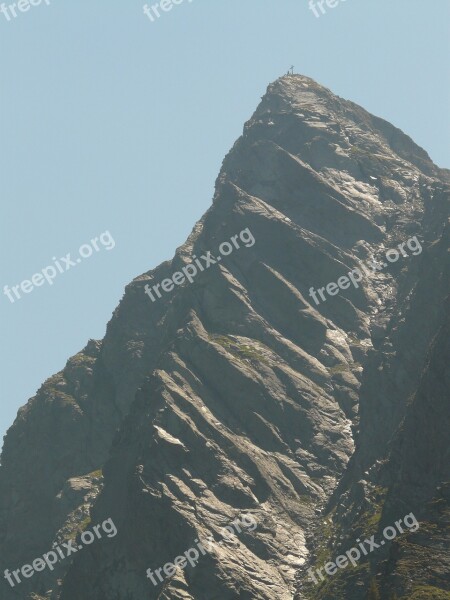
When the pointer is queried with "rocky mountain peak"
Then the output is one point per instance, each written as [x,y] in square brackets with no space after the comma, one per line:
[224,387]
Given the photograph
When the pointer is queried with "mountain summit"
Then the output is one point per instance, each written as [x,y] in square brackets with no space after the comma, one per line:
[244,391]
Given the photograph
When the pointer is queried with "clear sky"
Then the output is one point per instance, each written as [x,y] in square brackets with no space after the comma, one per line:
[112,122]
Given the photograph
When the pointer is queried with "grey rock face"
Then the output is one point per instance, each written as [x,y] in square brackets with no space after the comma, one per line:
[238,394]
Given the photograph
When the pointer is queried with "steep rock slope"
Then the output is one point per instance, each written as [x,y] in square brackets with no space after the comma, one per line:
[236,393]
[401,464]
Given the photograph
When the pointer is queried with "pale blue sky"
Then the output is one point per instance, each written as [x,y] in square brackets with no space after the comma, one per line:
[111,122]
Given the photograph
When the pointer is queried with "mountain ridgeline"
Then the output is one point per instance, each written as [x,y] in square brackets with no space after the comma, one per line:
[239,393]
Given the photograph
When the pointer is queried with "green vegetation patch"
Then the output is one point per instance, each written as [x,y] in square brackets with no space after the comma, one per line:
[344,368]
[368,522]
[239,350]
[427,592]
[96,474]
[336,587]
[358,151]
[78,528]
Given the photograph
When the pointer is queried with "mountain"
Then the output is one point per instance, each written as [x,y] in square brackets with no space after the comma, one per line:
[287,370]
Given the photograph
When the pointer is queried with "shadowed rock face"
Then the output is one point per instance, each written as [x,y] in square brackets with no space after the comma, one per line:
[238,394]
